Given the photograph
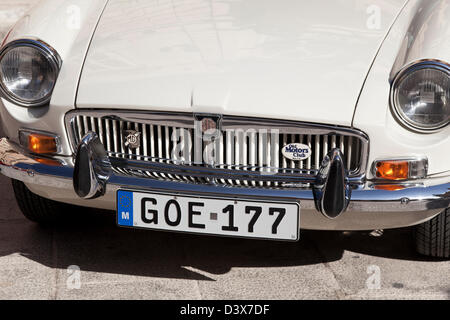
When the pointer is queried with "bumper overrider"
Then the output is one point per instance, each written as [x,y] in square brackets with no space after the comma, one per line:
[333,203]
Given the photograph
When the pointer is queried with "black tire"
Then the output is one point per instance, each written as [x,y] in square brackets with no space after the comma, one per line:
[433,236]
[36,208]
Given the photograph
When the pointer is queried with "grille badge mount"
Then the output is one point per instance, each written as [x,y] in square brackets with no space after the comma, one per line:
[131,139]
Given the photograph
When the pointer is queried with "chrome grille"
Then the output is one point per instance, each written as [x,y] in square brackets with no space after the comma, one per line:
[236,149]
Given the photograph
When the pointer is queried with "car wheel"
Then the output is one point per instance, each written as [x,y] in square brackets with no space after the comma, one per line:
[36,208]
[433,236]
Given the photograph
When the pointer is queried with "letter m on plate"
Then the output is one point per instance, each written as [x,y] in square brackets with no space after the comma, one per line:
[124,208]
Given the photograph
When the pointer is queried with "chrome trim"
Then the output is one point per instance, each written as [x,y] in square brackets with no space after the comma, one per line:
[49,52]
[331,189]
[92,168]
[186,120]
[413,66]
[368,209]
[134,167]
[17,164]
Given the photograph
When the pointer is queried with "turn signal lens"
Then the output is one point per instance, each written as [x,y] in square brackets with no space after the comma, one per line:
[38,142]
[41,144]
[401,169]
[392,170]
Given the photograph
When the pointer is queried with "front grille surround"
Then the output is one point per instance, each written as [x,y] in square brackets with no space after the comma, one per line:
[156,147]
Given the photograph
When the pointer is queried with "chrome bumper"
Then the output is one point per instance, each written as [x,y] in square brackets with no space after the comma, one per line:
[368,209]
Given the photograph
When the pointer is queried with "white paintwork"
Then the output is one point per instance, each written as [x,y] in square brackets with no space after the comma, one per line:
[427,35]
[302,60]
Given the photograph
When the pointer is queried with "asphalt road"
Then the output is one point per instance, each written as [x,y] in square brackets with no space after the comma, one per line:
[116,263]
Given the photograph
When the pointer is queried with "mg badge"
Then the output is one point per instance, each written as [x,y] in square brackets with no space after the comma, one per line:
[207,131]
[209,124]
[131,139]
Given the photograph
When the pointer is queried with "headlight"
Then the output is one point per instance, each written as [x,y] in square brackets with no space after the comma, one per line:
[28,72]
[420,96]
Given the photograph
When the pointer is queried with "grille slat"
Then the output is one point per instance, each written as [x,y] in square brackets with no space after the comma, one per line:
[130,151]
[317,151]
[120,142]
[301,163]
[252,153]
[308,143]
[100,130]
[85,124]
[144,140]
[152,140]
[260,155]
[237,152]
[229,153]
[138,150]
[253,150]
[115,139]
[292,141]
[108,135]
[80,130]
[159,153]
[324,146]
[159,142]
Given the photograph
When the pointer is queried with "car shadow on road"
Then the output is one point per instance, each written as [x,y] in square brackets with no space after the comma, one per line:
[91,240]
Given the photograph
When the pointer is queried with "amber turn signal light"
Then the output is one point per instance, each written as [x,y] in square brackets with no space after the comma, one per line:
[39,142]
[392,170]
[400,169]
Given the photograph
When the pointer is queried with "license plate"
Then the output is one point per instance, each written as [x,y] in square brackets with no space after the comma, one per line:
[207,215]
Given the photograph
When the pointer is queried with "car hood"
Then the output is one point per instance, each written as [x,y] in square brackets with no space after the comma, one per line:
[290,59]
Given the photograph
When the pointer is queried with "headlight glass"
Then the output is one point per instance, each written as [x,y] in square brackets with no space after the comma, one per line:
[28,72]
[421,96]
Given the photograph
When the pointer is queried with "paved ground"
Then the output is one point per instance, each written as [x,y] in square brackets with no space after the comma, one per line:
[121,263]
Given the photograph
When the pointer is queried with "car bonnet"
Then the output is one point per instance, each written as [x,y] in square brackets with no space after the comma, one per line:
[299,60]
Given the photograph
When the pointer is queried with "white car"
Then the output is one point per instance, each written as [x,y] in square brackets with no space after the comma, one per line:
[233,118]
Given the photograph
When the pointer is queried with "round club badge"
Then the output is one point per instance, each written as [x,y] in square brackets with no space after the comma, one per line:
[296,151]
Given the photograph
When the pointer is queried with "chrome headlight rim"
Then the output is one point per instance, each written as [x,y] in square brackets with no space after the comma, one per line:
[400,76]
[48,52]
